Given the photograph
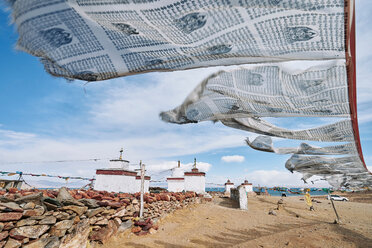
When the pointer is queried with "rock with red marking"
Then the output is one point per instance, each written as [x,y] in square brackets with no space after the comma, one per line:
[78,196]
[115,204]
[107,198]
[126,201]
[10,216]
[12,190]
[140,223]
[147,227]
[142,233]
[97,197]
[136,229]
[102,203]
[165,197]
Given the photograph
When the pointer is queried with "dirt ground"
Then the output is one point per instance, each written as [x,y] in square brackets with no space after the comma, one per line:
[220,224]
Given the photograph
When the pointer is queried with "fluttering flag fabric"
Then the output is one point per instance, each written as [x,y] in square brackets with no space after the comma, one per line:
[268,91]
[240,98]
[265,143]
[101,39]
[95,40]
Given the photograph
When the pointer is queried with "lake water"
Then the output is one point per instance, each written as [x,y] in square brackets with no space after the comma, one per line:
[273,192]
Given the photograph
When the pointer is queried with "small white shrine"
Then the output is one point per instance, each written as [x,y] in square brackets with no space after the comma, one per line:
[119,178]
[186,181]
[176,183]
[248,186]
[228,186]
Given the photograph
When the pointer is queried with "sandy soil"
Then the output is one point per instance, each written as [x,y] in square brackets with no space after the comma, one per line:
[220,224]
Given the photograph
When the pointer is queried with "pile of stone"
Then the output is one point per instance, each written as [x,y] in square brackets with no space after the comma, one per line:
[74,218]
[144,227]
[280,205]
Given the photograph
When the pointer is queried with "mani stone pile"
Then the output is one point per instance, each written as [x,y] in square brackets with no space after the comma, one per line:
[77,218]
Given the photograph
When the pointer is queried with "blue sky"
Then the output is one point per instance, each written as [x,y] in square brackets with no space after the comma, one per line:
[43,118]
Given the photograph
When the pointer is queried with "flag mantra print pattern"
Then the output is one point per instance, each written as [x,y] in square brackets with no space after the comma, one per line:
[95,40]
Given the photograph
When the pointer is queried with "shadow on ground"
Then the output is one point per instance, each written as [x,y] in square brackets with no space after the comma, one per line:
[233,237]
[227,203]
[358,239]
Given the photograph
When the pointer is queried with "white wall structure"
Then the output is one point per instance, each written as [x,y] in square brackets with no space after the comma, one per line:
[176,183]
[186,181]
[195,181]
[228,186]
[118,178]
[240,195]
[119,163]
[177,172]
[248,186]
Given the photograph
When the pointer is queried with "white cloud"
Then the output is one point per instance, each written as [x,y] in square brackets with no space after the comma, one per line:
[121,104]
[233,159]
[148,148]
[12,138]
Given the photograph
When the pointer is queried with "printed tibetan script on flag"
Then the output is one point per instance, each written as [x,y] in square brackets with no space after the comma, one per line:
[97,39]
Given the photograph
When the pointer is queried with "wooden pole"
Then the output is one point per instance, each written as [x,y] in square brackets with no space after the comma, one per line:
[142,187]
[333,205]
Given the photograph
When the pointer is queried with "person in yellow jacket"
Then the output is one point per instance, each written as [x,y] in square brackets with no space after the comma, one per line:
[308,200]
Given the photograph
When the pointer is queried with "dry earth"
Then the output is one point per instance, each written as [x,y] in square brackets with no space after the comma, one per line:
[220,224]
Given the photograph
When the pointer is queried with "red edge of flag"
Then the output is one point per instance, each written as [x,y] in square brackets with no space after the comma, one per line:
[351,73]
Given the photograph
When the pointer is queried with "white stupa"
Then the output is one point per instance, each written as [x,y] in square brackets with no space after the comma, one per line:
[186,181]
[119,178]
[248,186]
[195,180]
[228,186]
[176,183]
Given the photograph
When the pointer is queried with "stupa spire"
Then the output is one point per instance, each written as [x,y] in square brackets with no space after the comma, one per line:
[121,154]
